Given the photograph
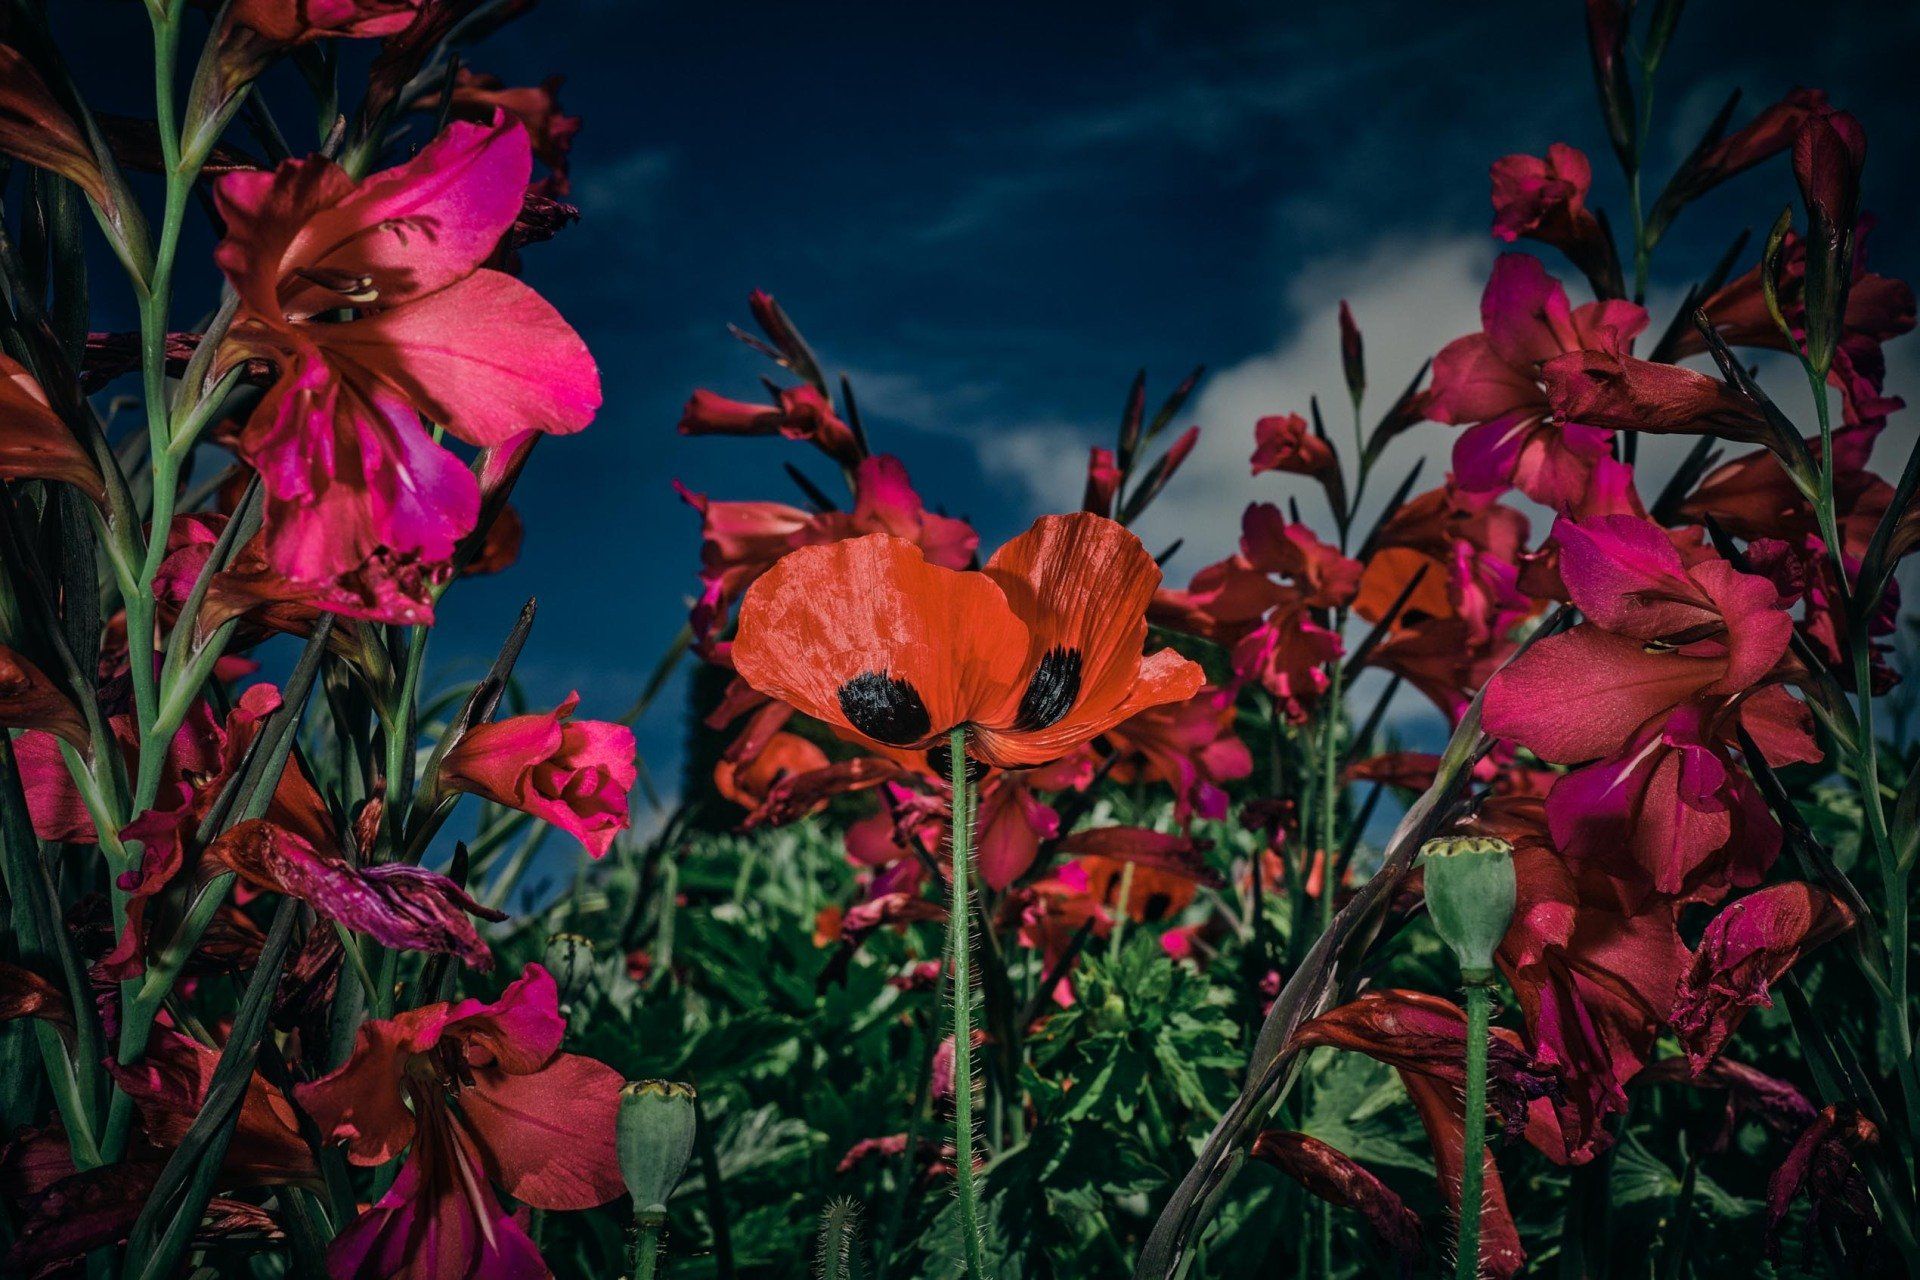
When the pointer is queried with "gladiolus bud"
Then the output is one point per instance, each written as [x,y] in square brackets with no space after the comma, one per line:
[1828,154]
[655,1137]
[1470,894]
[569,958]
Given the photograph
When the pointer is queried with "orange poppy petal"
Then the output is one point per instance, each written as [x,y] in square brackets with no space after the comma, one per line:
[1081,583]
[1164,676]
[868,637]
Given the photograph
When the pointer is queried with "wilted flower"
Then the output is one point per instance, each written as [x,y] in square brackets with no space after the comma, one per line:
[34,443]
[1337,1178]
[396,904]
[1748,947]
[28,700]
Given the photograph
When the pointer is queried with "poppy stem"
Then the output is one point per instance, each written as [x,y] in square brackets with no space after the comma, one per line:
[1479,992]
[959,946]
[645,1258]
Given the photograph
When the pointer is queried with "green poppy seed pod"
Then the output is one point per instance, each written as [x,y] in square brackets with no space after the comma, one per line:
[1470,892]
[569,958]
[655,1137]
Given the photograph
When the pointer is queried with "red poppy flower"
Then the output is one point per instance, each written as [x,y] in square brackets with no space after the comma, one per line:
[1033,655]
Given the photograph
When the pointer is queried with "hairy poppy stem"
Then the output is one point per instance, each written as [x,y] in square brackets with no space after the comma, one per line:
[645,1258]
[1473,1146]
[959,945]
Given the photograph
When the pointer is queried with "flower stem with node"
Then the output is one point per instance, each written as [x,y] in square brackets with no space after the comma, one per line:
[959,913]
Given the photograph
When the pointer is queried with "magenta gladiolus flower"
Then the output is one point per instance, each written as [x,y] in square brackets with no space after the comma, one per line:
[1660,632]
[480,1096]
[1545,199]
[1677,654]
[1490,383]
[739,541]
[351,474]
[573,773]
[1284,442]
[801,414]
[1267,604]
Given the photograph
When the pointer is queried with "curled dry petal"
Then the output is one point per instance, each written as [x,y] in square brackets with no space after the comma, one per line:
[398,905]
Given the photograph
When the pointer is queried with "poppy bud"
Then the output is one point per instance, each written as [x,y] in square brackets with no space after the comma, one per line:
[1470,893]
[569,958]
[655,1137]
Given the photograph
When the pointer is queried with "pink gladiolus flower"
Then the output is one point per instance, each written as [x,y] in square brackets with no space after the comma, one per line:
[291,22]
[1654,813]
[1747,948]
[1453,629]
[351,475]
[1188,745]
[1010,824]
[1616,392]
[1660,632]
[1879,309]
[739,541]
[801,414]
[1284,442]
[478,1094]
[477,97]
[1490,383]
[572,773]
[1546,200]
[1266,604]
[1594,980]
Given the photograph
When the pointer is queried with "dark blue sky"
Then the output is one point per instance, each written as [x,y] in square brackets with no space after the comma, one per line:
[991,215]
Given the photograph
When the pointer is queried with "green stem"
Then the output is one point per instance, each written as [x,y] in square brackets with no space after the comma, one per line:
[1473,1146]
[959,946]
[1894,875]
[646,1246]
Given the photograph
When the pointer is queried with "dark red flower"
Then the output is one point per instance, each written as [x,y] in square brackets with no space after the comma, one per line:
[1337,1178]
[1748,947]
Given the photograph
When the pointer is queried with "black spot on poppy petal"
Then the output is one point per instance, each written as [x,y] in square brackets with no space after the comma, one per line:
[1052,691]
[885,709]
